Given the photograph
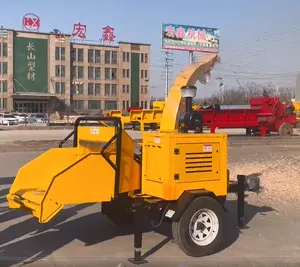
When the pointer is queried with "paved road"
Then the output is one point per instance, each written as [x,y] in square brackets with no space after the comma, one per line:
[79,235]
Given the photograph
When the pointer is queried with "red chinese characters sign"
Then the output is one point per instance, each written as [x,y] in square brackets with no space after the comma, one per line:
[108,34]
[79,30]
[31,22]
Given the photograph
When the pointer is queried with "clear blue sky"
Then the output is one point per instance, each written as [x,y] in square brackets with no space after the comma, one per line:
[259,39]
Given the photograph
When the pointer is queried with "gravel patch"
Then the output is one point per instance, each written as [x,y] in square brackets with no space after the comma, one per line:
[278,169]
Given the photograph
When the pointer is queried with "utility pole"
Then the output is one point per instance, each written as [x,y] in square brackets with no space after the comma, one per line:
[153,87]
[167,67]
[221,88]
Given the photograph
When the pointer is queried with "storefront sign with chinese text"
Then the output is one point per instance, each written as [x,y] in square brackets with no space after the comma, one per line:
[108,34]
[30,64]
[79,30]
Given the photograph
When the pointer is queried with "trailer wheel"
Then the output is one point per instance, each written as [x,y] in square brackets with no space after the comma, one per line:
[200,230]
[285,129]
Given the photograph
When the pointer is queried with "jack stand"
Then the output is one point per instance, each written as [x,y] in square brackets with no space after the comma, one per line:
[241,201]
[138,237]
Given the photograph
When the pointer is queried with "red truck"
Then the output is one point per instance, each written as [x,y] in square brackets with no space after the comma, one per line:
[265,115]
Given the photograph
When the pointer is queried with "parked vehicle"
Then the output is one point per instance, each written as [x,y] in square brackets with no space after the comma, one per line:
[8,119]
[22,117]
[37,118]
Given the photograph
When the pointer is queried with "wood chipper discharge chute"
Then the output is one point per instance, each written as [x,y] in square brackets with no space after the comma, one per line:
[86,173]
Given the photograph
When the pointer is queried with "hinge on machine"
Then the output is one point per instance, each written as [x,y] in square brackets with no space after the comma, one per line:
[176,151]
[176,176]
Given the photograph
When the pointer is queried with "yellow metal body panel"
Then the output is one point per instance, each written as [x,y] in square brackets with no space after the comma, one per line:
[92,139]
[201,163]
[175,105]
[146,116]
[158,105]
[63,176]
[297,106]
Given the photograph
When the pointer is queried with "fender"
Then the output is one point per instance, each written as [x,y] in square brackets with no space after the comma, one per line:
[177,208]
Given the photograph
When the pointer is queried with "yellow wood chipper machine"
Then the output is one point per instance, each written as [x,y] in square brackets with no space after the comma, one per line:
[180,174]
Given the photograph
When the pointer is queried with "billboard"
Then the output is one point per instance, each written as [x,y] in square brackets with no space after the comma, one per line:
[190,38]
[30,65]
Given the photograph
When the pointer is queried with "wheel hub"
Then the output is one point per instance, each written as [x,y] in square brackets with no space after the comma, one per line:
[204,227]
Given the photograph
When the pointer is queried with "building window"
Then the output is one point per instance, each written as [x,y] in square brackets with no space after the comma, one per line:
[91,56]
[146,89]
[97,73]
[114,75]
[4,68]
[4,103]
[142,74]
[127,73]
[4,50]
[107,89]
[90,89]
[4,86]
[57,87]
[111,105]
[57,53]
[107,74]
[60,71]
[91,73]
[114,89]
[78,89]
[80,55]
[78,104]
[60,88]
[142,89]
[73,54]
[142,58]
[125,56]
[146,58]
[107,57]
[124,105]
[94,104]
[80,73]
[73,72]
[97,89]
[123,89]
[127,88]
[60,53]
[146,74]
[97,56]
[114,57]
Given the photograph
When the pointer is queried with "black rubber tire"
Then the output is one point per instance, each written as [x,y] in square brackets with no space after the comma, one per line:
[285,129]
[256,131]
[180,229]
